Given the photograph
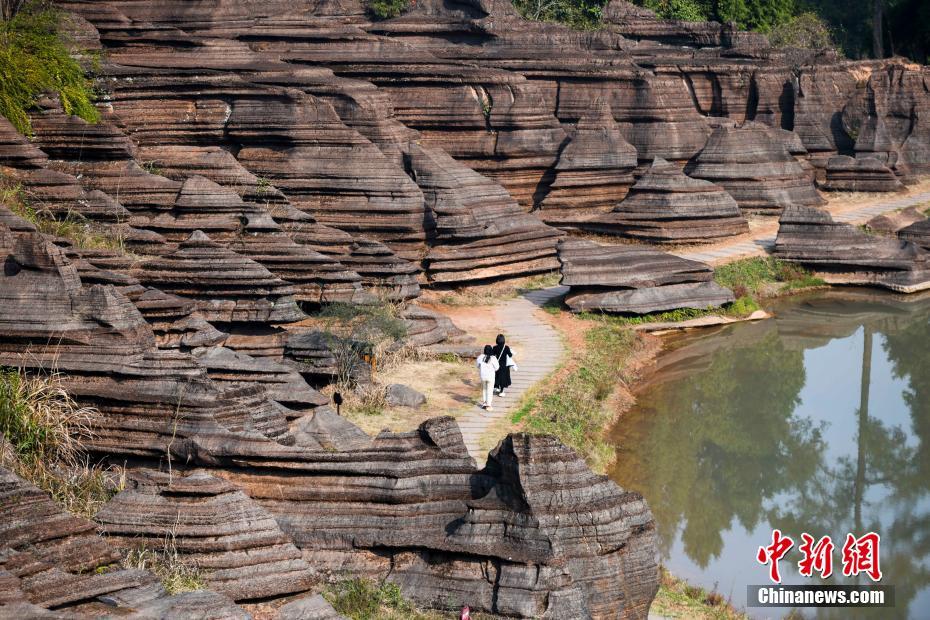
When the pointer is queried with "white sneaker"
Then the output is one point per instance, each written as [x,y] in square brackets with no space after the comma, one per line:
[502,394]
[488,408]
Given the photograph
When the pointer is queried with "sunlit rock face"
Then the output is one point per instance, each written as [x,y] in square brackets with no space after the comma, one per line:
[634,279]
[844,254]
[667,206]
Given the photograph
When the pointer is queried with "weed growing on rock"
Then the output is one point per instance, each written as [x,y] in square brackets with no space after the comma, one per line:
[34,59]
[41,431]
[364,599]
[177,574]
[73,227]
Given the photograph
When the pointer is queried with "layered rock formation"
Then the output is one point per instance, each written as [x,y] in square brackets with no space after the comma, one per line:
[51,560]
[383,506]
[235,543]
[843,254]
[667,206]
[865,174]
[635,280]
[755,168]
[594,170]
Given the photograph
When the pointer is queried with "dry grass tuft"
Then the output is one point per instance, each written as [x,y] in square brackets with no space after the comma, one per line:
[177,573]
[41,432]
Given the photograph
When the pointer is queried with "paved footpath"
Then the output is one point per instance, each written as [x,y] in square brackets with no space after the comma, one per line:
[537,349]
[762,240]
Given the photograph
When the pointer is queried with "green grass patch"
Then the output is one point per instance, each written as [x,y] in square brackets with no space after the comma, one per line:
[762,277]
[678,599]
[575,409]
[34,59]
[741,308]
[523,411]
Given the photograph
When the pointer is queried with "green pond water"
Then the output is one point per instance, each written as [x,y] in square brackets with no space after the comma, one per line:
[817,421]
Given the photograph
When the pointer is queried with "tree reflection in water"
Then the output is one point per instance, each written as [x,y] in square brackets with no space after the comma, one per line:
[721,441]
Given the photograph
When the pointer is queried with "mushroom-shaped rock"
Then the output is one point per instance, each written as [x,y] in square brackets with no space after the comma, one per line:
[634,279]
[843,254]
[667,206]
[755,167]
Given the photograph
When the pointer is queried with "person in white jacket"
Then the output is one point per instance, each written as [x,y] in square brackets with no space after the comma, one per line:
[487,369]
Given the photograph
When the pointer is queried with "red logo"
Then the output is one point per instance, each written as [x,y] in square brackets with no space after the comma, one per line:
[773,553]
[860,555]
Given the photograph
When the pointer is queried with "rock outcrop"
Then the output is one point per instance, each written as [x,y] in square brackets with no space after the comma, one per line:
[865,174]
[667,206]
[235,543]
[594,170]
[635,280]
[755,168]
[54,565]
[843,254]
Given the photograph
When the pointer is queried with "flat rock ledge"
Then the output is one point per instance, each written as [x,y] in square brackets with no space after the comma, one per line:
[633,279]
[843,254]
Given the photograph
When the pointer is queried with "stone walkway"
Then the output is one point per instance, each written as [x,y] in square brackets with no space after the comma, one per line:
[762,240]
[537,349]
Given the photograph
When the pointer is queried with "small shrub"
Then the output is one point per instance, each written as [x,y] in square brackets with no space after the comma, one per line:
[683,10]
[34,60]
[386,9]
[577,14]
[807,31]
[359,334]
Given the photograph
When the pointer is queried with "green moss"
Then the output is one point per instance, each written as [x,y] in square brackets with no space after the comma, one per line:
[34,60]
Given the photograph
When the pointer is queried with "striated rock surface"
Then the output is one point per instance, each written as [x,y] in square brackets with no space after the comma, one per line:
[667,206]
[225,286]
[594,170]
[54,565]
[843,254]
[893,222]
[634,279]
[866,174]
[486,235]
[917,233]
[237,544]
[755,168]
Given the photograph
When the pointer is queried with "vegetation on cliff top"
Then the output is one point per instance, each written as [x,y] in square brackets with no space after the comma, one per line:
[875,29]
[34,59]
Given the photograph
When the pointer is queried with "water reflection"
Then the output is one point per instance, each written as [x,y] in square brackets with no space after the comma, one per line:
[816,421]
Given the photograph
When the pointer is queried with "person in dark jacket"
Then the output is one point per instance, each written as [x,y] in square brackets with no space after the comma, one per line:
[505,361]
